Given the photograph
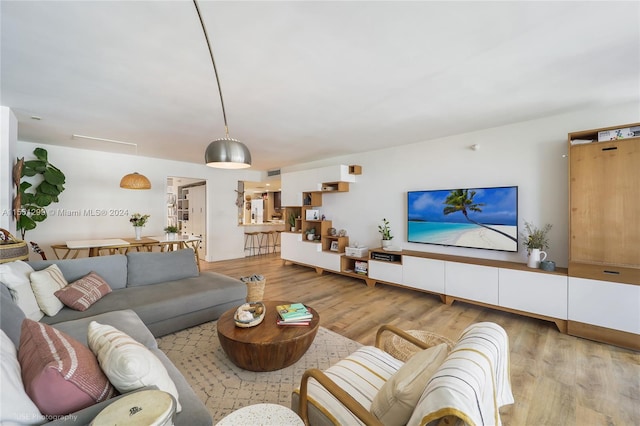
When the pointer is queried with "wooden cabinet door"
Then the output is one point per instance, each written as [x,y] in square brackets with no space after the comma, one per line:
[604,183]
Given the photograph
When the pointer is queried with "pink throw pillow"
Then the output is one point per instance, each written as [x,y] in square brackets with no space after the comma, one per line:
[81,294]
[59,374]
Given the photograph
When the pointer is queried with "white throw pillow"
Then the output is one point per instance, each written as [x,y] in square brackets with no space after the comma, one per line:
[15,275]
[44,284]
[128,364]
[395,401]
[16,408]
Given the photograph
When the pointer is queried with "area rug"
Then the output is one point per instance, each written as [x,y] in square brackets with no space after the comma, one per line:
[224,388]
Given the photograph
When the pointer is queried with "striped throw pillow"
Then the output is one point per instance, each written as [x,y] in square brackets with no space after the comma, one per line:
[59,374]
[44,284]
[81,294]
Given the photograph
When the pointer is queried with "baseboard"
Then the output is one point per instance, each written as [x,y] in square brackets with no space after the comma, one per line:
[604,335]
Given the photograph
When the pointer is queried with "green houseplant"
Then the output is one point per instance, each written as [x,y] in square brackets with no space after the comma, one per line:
[34,197]
[292,221]
[171,229]
[535,240]
[385,231]
[534,237]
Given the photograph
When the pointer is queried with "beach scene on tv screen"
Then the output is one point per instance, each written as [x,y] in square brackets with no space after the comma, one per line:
[485,218]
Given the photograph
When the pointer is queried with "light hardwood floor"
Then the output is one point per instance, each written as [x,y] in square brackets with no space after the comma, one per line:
[557,379]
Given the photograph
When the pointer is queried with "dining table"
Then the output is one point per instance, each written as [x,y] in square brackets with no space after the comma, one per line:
[99,246]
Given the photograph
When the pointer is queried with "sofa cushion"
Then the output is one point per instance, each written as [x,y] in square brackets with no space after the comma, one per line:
[15,275]
[362,374]
[17,407]
[166,301]
[397,398]
[128,364]
[113,269]
[125,320]
[81,294]
[11,316]
[152,268]
[60,375]
[44,284]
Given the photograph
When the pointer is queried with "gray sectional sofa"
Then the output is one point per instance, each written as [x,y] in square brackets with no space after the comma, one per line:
[153,294]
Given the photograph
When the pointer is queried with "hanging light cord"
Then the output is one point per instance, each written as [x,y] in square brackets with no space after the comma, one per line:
[215,70]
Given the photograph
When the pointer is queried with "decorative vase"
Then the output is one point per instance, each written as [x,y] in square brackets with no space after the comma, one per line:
[171,236]
[310,237]
[535,257]
[293,229]
[138,230]
[386,243]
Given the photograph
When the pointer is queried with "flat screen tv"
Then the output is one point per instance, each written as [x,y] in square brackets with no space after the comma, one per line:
[484,218]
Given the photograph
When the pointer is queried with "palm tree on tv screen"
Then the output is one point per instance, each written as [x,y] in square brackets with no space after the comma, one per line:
[461,200]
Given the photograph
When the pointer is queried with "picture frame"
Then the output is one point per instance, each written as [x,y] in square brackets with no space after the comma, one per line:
[312,214]
[334,246]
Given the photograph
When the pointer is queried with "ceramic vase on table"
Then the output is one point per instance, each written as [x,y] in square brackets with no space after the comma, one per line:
[386,243]
[138,230]
[535,257]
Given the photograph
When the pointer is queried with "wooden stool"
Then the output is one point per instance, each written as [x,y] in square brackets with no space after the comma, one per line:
[252,242]
[276,242]
[268,240]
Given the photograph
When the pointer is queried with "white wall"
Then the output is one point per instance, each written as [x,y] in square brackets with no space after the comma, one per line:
[96,207]
[528,154]
[8,141]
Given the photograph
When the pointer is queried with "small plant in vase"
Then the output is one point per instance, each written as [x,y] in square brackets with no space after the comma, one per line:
[138,221]
[385,231]
[311,234]
[292,221]
[535,240]
[171,231]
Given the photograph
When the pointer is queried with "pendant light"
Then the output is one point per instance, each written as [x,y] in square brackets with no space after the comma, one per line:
[224,153]
[135,181]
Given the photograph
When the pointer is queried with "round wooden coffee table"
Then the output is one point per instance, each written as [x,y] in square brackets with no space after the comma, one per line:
[267,346]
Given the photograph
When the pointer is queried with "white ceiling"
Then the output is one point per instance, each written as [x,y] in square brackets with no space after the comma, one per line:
[306,80]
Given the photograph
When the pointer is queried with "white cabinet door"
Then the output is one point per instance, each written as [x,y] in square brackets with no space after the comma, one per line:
[288,245]
[385,271]
[536,292]
[605,304]
[422,273]
[328,260]
[473,282]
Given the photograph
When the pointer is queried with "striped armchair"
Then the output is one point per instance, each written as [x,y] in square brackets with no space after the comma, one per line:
[464,386]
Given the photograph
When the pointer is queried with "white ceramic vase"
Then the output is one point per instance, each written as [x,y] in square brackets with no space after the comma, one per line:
[138,230]
[386,243]
[535,257]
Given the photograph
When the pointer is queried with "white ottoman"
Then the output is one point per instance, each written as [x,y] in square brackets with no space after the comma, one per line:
[262,414]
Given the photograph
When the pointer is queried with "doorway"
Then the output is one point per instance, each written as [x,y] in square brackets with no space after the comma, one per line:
[187,208]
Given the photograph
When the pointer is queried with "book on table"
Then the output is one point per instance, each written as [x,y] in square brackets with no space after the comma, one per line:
[304,322]
[294,312]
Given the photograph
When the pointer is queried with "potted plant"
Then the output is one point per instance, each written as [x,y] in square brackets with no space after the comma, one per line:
[311,234]
[385,231]
[138,221]
[292,221]
[535,241]
[171,231]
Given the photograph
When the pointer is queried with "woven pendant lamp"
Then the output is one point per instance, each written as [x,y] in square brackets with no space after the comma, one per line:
[135,181]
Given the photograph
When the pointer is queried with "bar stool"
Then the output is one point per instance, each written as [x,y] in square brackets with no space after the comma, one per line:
[252,242]
[276,243]
[268,240]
